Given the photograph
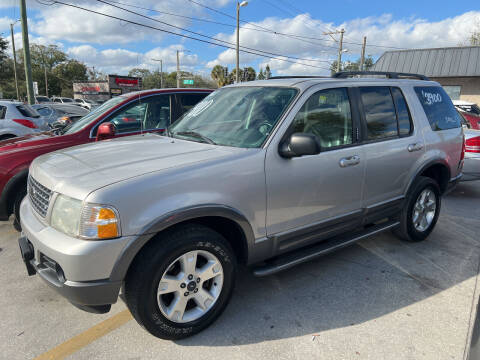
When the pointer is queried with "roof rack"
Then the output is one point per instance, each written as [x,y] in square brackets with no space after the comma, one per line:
[387,74]
[298,77]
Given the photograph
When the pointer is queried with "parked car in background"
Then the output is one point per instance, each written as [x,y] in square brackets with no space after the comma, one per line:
[268,173]
[64,100]
[88,104]
[42,99]
[470,111]
[18,119]
[59,115]
[471,167]
[128,114]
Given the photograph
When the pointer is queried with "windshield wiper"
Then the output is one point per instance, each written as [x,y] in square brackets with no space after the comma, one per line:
[195,134]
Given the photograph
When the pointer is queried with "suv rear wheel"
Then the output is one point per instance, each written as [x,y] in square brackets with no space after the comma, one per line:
[182,282]
[420,214]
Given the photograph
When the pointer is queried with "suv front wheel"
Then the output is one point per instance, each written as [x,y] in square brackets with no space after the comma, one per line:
[421,210]
[180,284]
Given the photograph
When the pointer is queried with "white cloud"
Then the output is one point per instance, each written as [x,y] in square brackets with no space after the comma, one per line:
[121,61]
[382,30]
[5,25]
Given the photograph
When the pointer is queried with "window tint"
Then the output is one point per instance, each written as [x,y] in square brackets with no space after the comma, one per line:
[28,111]
[379,112]
[404,120]
[67,100]
[44,111]
[78,100]
[327,115]
[3,111]
[438,107]
[188,101]
[57,100]
[144,114]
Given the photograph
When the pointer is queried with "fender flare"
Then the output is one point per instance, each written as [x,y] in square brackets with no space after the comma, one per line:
[167,220]
[7,190]
[424,167]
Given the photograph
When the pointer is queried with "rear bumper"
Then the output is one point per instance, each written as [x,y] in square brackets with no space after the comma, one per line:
[453,183]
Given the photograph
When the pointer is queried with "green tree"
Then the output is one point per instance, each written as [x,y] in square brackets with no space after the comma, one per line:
[352,66]
[251,74]
[218,75]
[3,49]
[268,73]
[260,75]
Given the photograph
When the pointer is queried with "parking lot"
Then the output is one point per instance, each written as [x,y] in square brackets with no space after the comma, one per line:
[381,298]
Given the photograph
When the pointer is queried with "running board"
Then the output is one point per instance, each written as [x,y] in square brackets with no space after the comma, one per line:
[306,254]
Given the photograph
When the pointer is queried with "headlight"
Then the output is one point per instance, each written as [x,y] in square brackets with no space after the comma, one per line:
[87,221]
[66,215]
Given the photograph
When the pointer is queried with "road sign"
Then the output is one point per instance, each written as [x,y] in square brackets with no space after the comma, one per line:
[188,82]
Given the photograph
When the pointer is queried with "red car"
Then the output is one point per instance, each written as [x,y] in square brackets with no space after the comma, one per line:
[128,114]
[470,111]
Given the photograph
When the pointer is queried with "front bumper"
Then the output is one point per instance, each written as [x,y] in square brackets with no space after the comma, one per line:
[79,270]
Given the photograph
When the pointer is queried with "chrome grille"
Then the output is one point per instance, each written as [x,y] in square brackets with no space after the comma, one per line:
[39,196]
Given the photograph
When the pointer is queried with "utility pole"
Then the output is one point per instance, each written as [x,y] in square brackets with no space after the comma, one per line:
[340,49]
[239,5]
[178,70]
[362,58]
[26,52]
[46,82]
[14,60]
[340,46]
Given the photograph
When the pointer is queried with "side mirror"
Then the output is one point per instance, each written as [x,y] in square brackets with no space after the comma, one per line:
[299,144]
[106,131]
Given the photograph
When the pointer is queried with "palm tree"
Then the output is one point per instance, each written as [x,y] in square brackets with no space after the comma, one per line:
[218,74]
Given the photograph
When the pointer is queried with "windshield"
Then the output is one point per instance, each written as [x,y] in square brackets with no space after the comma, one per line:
[236,116]
[91,116]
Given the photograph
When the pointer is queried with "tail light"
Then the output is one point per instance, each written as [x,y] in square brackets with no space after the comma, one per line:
[28,123]
[472,145]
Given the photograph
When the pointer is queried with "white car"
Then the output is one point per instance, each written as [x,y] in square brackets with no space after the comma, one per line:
[471,167]
[19,119]
[87,104]
[64,100]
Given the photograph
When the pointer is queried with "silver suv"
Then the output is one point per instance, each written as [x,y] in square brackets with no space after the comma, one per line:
[268,174]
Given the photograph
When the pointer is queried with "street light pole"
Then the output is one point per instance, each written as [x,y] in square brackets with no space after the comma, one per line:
[239,5]
[178,70]
[26,52]
[14,60]
[340,50]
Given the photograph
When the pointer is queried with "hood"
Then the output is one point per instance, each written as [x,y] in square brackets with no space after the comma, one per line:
[79,170]
[27,141]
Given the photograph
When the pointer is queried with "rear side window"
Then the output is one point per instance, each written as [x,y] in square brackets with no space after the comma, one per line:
[3,111]
[404,120]
[438,107]
[379,112]
[27,111]
[188,101]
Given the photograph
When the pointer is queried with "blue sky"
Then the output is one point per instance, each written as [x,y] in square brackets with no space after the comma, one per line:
[113,46]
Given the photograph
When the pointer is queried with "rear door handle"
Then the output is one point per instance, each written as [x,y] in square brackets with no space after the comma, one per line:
[349,161]
[415,147]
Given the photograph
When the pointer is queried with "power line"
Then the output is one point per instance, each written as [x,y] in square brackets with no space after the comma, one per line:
[206,36]
[183,35]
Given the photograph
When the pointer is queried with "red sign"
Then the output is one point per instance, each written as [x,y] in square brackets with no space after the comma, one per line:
[126,82]
[90,89]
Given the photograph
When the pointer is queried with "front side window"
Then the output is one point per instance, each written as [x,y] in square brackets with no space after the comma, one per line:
[143,114]
[379,112]
[327,115]
[241,116]
[438,107]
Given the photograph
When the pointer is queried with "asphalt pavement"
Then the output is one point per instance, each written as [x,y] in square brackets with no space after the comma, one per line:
[378,299]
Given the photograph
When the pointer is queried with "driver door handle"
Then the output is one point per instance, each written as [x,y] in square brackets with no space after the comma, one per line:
[349,161]
[415,147]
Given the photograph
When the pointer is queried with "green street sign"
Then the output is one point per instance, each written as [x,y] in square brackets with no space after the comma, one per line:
[188,82]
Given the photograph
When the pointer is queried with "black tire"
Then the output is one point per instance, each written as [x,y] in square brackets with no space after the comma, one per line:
[143,278]
[406,230]
[16,207]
